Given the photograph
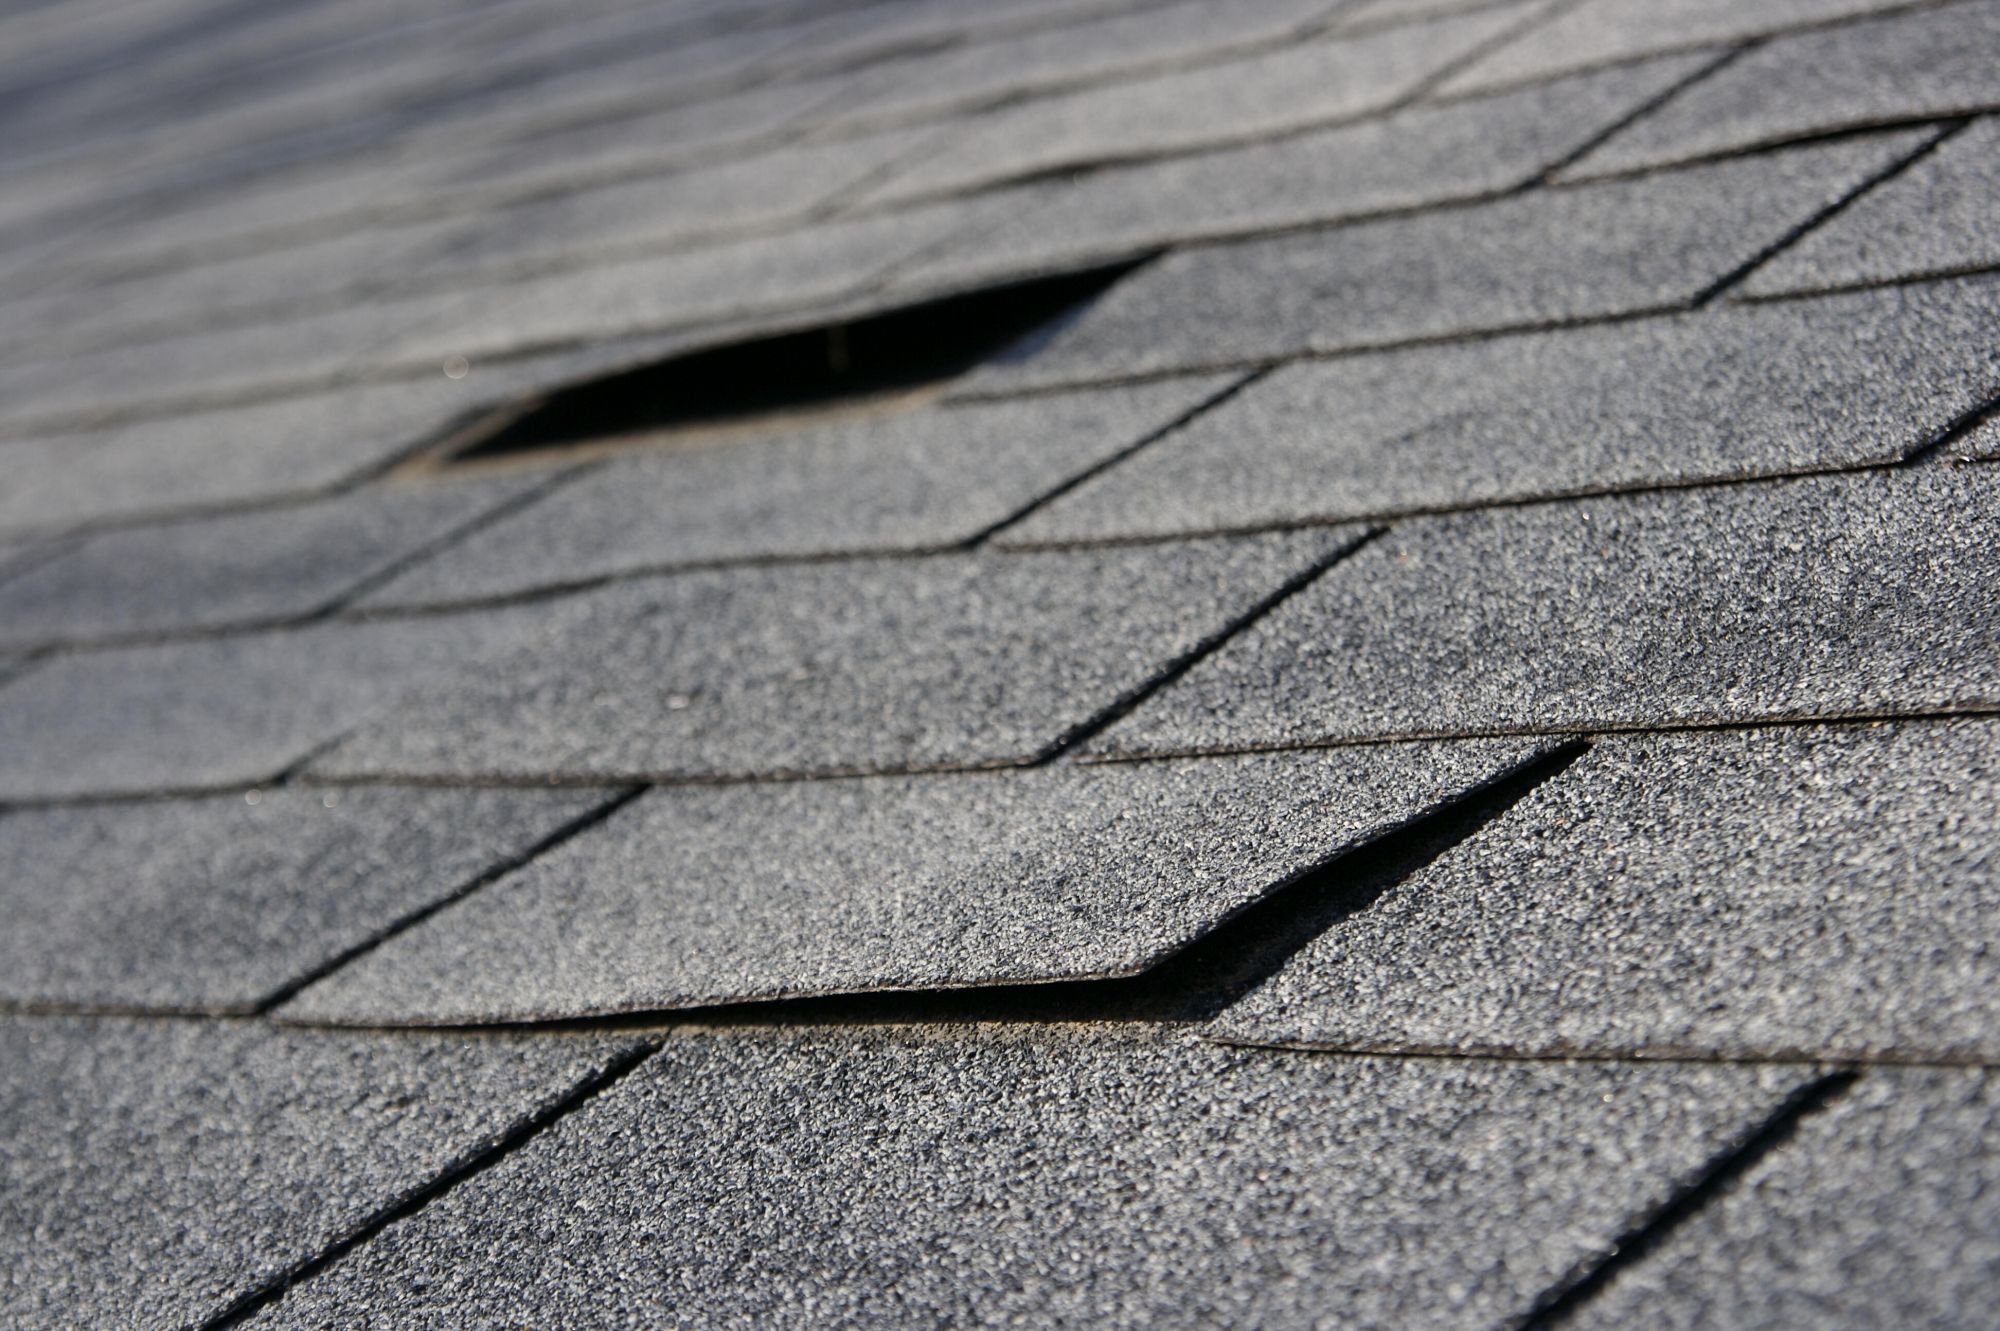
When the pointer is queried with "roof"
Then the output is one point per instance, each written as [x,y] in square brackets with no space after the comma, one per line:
[1051,662]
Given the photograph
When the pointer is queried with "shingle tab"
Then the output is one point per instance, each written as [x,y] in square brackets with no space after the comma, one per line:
[952,661]
[1607,32]
[1836,596]
[222,712]
[1546,257]
[712,895]
[1881,1211]
[218,904]
[1420,156]
[1935,217]
[908,1180]
[1315,82]
[1931,63]
[1762,893]
[156,1173]
[923,481]
[1800,386]
[265,566]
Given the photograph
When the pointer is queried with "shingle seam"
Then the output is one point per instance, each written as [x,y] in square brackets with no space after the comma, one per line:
[453,535]
[1136,697]
[569,830]
[1559,1303]
[615,1069]
[1827,214]
[1102,465]
[1589,729]
[1723,59]
[1392,515]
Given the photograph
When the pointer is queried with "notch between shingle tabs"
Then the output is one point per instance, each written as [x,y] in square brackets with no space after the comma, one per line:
[872,365]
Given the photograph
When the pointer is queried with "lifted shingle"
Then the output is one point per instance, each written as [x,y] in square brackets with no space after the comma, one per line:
[926,480]
[702,896]
[1730,393]
[1839,596]
[1826,892]
[898,1179]
[157,1173]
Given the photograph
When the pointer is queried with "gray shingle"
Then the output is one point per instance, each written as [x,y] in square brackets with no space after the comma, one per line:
[218,904]
[1075,1178]
[1313,82]
[954,661]
[225,711]
[1932,63]
[1764,390]
[709,895]
[1605,32]
[1423,155]
[927,480]
[636,213]
[1546,257]
[1935,217]
[241,569]
[152,1174]
[1983,444]
[1763,893]
[1882,1211]
[1837,596]
[984,72]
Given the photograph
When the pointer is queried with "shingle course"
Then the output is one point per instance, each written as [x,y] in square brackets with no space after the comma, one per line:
[223,903]
[1837,596]
[1719,394]
[1545,257]
[158,1172]
[955,661]
[905,1179]
[1927,64]
[1735,894]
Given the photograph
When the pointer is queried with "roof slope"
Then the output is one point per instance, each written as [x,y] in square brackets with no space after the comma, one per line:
[1057,662]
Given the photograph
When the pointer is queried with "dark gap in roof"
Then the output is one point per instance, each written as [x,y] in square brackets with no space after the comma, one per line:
[1193,984]
[868,366]
[1561,1301]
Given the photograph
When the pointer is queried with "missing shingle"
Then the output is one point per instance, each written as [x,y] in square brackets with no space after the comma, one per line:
[875,365]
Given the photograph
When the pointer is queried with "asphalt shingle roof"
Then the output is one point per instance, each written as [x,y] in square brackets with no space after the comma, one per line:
[1419,750]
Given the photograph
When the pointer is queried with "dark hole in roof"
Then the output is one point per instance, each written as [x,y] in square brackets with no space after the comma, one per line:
[874,365]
